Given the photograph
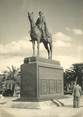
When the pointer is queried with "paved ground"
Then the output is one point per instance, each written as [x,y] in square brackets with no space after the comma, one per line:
[47,109]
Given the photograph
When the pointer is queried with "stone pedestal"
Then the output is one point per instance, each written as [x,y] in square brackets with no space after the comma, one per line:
[41,79]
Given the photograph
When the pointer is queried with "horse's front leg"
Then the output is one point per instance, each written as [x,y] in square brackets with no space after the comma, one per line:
[38,48]
[33,44]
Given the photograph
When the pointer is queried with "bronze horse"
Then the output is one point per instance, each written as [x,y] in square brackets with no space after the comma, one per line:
[36,35]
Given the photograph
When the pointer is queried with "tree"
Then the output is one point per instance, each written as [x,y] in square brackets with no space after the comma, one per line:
[74,74]
[11,79]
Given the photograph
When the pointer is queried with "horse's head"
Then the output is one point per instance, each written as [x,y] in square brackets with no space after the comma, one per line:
[31,19]
[30,16]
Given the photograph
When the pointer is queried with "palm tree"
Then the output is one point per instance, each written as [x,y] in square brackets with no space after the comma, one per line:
[11,79]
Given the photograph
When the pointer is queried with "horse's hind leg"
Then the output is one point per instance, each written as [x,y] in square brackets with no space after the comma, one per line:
[38,43]
[47,48]
[50,45]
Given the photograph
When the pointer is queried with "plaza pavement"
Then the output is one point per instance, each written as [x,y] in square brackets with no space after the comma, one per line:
[41,109]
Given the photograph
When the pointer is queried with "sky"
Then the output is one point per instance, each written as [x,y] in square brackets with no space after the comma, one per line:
[64,20]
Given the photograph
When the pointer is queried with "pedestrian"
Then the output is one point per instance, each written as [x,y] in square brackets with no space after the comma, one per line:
[76,96]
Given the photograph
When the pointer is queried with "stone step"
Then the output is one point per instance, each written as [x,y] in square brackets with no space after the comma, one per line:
[57,102]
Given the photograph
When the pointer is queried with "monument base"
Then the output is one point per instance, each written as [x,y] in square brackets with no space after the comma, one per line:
[42,79]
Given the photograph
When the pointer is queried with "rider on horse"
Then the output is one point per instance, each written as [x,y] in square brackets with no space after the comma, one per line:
[41,23]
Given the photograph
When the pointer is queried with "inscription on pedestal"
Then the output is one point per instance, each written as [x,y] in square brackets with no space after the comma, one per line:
[51,81]
[50,86]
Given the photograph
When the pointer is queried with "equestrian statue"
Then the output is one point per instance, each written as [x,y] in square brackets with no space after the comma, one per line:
[39,33]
